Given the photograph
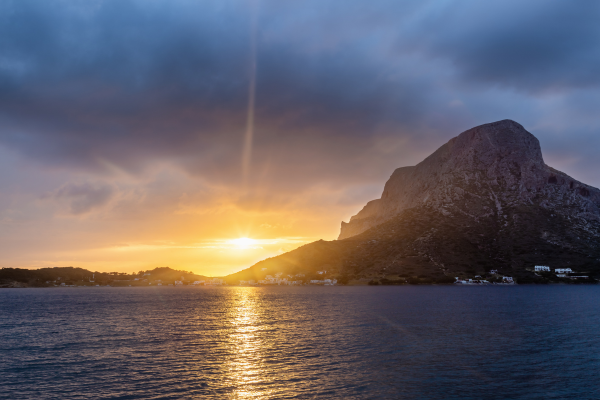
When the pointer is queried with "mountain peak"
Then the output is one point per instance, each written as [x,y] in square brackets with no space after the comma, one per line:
[503,136]
[487,144]
[499,157]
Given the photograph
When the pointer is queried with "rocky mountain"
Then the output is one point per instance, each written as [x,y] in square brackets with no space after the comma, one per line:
[478,173]
[484,200]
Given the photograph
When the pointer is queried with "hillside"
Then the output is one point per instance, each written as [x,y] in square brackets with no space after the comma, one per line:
[483,201]
[21,277]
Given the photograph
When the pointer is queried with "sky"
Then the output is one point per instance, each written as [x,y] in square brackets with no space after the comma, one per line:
[137,134]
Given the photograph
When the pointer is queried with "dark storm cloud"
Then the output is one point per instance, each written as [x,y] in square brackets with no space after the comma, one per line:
[539,45]
[122,83]
[117,81]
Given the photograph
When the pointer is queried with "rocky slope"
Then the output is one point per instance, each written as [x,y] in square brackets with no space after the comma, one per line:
[484,200]
[501,162]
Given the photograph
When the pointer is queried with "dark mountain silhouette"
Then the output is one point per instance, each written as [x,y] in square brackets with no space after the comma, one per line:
[485,200]
[21,277]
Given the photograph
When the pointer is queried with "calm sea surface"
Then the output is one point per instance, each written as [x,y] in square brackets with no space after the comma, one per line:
[409,342]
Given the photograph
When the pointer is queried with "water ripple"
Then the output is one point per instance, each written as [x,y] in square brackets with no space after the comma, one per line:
[301,342]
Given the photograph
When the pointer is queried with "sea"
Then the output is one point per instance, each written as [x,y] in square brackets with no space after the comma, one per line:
[367,342]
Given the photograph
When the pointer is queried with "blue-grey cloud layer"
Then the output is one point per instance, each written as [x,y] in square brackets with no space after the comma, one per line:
[86,85]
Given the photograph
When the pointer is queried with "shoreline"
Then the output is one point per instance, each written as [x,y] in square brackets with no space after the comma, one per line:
[24,286]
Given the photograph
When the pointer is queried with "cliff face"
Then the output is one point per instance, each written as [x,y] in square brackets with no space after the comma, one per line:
[499,163]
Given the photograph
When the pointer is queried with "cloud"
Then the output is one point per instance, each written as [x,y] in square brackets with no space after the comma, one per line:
[141,105]
[84,197]
[536,46]
[110,84]
[125,83]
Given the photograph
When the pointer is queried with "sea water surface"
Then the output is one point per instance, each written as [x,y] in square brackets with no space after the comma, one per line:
[408,342]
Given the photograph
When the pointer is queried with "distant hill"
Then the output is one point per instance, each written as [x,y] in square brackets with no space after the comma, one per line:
[483,201]
[21,277]
[307,260]
[169,274]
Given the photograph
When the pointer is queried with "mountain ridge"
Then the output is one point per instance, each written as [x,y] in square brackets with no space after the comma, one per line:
[518,159]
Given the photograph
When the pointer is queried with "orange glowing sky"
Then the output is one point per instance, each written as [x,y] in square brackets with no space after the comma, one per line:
[163,217]
[141,134]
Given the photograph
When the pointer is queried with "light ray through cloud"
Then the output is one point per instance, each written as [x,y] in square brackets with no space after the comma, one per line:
[249,133]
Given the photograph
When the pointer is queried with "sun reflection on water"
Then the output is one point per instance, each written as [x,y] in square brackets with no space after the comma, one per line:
[246,367]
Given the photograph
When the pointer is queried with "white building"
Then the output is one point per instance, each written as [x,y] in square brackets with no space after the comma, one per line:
[326,282]
[563,270]
[178,283]
[542,268]
[196,283]
[269,280]
[471,281]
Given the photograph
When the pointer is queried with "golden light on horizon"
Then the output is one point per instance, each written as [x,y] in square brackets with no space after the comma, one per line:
[243,242]
[209,257]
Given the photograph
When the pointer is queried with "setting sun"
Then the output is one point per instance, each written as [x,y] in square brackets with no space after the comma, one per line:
[243,242]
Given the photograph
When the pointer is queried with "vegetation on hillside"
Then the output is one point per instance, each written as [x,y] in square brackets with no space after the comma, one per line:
[44,277]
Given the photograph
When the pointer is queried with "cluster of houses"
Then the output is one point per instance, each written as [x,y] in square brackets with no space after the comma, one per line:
[278,279]
[478,280]
[290,280]
[506,280]
[560,272]
[325,282]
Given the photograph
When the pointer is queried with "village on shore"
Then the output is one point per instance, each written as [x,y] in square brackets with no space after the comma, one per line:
[165,276]
[540,270]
